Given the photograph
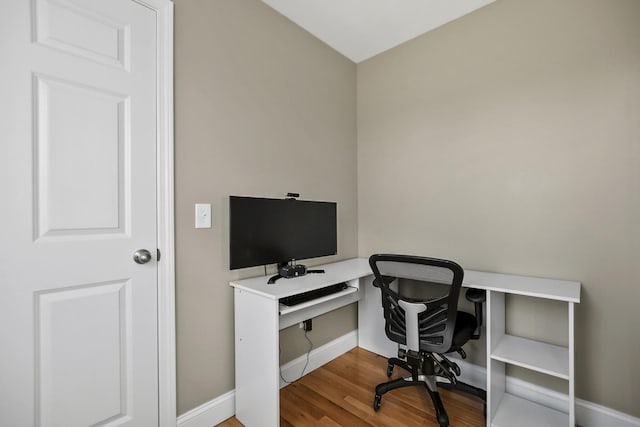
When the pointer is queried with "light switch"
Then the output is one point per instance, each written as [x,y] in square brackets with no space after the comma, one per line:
[203,215]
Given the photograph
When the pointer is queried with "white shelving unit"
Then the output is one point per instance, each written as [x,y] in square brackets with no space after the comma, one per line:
[503,408]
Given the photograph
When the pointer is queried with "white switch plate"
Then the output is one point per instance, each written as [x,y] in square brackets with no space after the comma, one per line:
[203,215]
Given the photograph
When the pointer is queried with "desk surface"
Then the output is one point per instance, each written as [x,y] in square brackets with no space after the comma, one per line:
[562,290]
[342,271]
[336,272]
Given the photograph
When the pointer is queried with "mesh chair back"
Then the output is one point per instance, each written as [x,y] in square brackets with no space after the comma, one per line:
[433,282]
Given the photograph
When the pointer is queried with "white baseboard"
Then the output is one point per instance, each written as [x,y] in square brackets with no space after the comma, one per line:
[588,414]
[594,415]
[211,413]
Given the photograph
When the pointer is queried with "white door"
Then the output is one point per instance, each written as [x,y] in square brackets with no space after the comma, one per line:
[78,317]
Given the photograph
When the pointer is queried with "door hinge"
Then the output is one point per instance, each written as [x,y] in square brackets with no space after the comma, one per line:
[158,255]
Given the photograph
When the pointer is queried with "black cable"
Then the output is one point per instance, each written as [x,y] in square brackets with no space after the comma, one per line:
[305,364]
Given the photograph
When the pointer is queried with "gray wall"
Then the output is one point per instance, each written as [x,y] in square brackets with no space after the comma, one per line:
[509,140]
[261,108]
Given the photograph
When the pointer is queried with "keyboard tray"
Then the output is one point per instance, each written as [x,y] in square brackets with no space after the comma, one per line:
[311,295]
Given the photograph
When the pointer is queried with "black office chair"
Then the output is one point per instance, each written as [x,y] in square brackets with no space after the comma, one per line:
[420,302]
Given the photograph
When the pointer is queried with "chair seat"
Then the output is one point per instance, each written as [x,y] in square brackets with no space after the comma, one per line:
[465,327]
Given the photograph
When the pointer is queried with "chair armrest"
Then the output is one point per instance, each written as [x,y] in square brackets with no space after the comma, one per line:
[477,297]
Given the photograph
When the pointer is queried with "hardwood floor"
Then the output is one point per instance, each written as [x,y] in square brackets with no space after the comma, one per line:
[341,392]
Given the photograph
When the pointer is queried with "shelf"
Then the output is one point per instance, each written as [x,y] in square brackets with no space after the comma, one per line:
[535,355]
[514,411]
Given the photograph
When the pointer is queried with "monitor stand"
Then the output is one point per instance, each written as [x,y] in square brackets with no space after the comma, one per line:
[289,269]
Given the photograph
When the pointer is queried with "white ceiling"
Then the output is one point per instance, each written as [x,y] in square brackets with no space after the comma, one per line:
[360,29]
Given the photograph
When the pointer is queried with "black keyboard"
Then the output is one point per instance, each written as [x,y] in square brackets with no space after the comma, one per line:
[311,295]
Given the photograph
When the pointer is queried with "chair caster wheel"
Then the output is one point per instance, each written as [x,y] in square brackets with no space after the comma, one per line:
[443,421]
[376,402]
[456,370]
[389,370]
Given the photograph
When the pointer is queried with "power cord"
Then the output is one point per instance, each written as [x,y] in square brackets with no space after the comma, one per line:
[305,364]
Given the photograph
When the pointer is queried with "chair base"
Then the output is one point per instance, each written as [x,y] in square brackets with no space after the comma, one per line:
[441,412]
[426,376]
[465,388]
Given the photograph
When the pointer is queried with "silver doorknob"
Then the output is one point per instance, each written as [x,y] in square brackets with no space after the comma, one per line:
[142,256]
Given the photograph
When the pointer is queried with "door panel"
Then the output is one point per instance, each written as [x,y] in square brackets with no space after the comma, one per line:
[83,31]
[64,152]
[65,362]
[78,317]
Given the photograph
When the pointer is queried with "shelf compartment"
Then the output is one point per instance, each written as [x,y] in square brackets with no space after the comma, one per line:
[535,355]
[514,411]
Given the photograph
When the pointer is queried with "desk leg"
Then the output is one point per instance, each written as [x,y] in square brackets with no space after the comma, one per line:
[371,335]
[572,378]
[496,378]
[257,364]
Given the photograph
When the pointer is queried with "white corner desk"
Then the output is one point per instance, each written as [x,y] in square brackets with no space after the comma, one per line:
[259,317]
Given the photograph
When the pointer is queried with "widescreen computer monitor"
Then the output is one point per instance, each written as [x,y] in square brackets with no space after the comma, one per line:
[266,231]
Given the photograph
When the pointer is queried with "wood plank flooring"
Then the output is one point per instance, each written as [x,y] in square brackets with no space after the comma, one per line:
[341,392]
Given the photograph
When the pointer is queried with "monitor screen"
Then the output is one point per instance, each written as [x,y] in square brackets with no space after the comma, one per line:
[266,231]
